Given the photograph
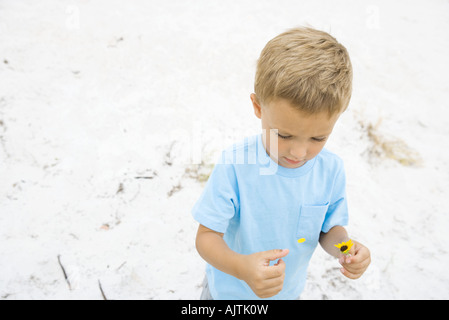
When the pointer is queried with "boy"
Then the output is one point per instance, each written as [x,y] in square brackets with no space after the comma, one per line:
[281,189]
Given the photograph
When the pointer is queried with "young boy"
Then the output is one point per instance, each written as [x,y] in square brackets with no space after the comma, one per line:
[271,198]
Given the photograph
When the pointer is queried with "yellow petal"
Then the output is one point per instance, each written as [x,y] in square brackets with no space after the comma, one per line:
[347,244]
[301,240]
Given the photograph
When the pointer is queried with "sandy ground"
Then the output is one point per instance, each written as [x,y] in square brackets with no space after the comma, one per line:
[112,115]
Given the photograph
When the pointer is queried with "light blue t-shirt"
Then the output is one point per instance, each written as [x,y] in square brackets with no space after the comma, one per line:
[260,206]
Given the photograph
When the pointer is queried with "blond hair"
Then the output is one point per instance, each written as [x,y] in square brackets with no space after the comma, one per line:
[307,67]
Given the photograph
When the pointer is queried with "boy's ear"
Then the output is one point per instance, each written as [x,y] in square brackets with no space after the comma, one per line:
[256,106]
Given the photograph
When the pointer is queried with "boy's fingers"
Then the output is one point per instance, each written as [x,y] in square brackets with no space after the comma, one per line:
[347,259]
[360,255]
[349,274]
[274,282]
[280,262]
[355,269]
[274,254]
[276,270]
[267,293]
[354,264]
[360,252]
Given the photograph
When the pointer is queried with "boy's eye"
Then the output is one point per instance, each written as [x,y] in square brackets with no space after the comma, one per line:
[283,137]
[314,139]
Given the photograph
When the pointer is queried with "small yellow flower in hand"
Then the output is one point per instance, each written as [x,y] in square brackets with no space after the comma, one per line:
[344,246]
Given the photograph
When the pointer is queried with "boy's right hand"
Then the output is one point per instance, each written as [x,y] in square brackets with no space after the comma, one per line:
[265,280]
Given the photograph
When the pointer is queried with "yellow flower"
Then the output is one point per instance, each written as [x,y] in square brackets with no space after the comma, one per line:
[344,246]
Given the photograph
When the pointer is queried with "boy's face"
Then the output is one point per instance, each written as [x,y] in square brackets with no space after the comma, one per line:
[300,136]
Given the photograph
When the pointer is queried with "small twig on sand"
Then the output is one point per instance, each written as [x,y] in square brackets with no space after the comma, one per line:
[121,266]
[101,289]
[63,271]
[175,189]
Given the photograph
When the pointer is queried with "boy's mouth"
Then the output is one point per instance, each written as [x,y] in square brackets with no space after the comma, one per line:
[295,163]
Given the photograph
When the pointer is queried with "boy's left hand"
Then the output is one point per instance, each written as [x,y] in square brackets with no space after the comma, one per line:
[356,264]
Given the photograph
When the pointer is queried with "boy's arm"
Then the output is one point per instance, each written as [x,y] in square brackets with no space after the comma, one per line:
[335,235]
[215,251]
[359,259]
[265,280]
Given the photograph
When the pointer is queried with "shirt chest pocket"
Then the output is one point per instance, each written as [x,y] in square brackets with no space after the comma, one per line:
[310,221]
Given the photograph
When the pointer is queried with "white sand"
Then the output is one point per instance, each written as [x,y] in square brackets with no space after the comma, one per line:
[94,94]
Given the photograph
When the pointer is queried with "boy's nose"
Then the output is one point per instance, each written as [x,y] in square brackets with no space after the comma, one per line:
[299,152]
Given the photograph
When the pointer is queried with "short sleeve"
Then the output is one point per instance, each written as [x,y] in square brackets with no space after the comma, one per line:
[218,202]
[337,213]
